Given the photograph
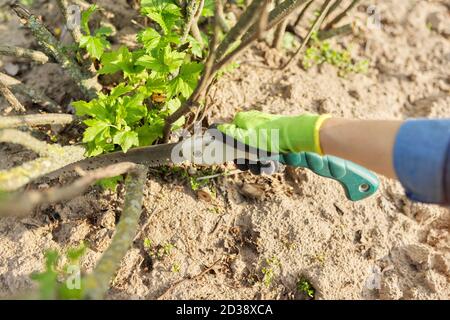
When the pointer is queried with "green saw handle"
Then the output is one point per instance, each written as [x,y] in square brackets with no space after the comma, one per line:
[358,182]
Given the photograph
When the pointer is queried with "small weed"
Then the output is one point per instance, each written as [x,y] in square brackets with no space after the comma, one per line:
[269,270]
[110,183]
[305,287]
[176,267]
[158,251]
[63,283]
[321,52]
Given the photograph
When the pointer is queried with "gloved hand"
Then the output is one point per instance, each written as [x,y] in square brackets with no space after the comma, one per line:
[295,133]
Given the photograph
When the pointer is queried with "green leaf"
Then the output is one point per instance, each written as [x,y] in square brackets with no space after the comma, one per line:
[162,61]
[110,183]
[196,47]
[150,38]
[94,108]
[208,8]
[120,60]
[120,90]
[103,31]
[85,16]
[164,12]
[94,45]
[149,133]
[95,128]
[186,81]
[48,279]
[126,139]
[134,108]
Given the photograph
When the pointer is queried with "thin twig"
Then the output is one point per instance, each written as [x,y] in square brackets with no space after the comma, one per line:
[73,28]
[342,15]
[18,52]
[261,27]
[11,98]
[195,31]
[52,157]
[196,277]
[54,48]
[26,140]
[279,33]
[278,14]
[22,204]
[302,12]
[191,11]
[35,95]
[245,21]
[206,78]
[334,32]
[315,26]
[97,283]
[35,120]
[263,19]
[220,16]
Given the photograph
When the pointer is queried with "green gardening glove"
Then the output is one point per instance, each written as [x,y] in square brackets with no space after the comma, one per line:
[276,133]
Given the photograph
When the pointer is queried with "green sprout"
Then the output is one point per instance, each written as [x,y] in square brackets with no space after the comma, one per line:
[305,287]
[321,52]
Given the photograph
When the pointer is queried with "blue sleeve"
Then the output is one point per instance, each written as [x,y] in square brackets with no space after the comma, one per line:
[422,160]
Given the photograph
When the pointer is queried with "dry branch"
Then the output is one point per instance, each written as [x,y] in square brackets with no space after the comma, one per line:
[52,157]
[342,15]
[74,29]
[245,21]
[18,52]
[35,95]
[302,12]
[97,283]
[339,31]
[22,204]
[11,98]
[35,120]
[315,26]
[54,48]
[220,16]
[278,14]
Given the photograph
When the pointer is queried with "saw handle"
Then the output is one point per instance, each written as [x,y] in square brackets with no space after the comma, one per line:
[358,182]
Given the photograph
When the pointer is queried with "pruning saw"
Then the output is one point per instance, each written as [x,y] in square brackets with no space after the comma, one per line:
[214,147]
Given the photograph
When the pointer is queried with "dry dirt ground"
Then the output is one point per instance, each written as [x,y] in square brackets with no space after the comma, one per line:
[299,224]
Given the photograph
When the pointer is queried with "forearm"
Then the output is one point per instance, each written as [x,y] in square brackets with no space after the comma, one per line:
[369,143]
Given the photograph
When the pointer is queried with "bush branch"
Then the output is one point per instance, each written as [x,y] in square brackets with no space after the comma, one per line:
[22,204]
[342,15]
[35,95]
[97,283]
[18,52]
[11,98]
[191,11]
[52,157]
[245,21]
[205,80]
[35,120]
[54,48]
[278,14]
[75,29]
[302,12]
[315,26]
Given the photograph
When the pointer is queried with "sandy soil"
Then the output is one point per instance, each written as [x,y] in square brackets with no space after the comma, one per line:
[296,224]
